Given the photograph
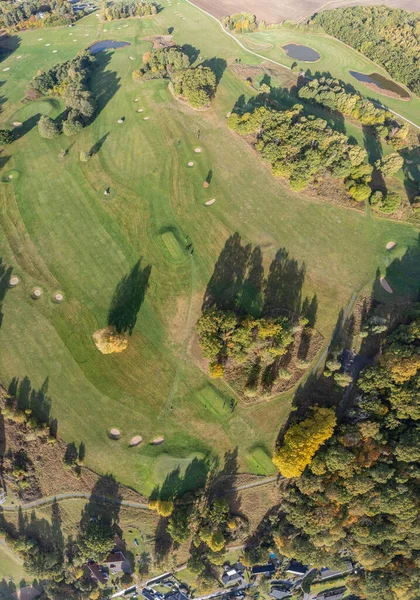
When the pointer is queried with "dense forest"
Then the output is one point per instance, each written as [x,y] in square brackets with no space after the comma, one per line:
[162,63]
[69,81]
[360,494]
[37,13]
[127,8]
[389,37]
[302,148]
[332,94]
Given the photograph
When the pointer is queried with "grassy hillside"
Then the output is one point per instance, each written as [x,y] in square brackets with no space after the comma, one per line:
[59,232]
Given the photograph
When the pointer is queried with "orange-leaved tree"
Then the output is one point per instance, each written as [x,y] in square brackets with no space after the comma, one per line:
[302,440]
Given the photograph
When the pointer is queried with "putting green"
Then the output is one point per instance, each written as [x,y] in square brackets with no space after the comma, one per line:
[59,232]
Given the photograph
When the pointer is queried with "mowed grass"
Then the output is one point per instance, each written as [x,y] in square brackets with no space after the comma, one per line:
[11,567]
[337,59]
[59,232]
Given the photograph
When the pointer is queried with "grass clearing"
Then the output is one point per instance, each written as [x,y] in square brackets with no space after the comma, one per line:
[59,232]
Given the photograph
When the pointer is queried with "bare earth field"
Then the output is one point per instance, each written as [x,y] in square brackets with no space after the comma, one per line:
[275,11]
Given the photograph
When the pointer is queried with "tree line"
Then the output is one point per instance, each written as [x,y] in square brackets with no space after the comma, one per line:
[390,37]
[26,14]
[240,22]
[332,94]
[70,82]
[359,493]
[127,8]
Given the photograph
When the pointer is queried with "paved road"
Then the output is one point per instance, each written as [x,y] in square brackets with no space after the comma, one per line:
[275,62]
[71,495]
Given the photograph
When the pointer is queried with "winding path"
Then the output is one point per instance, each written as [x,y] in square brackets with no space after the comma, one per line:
[129,503]
[275,62]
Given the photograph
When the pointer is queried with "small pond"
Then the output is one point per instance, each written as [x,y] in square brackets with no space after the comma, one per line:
[303,53]
[382,83]
[106,45]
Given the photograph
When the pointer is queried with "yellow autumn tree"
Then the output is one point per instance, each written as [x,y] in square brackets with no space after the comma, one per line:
[108,340]
[302,440]
[165,508]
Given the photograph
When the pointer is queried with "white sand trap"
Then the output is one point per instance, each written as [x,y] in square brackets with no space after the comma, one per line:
[40,39]
[390,245]
[54,51]
[20,56]
[115,433]
[158,440]
[70,34]
[146,118]
[17,124]
[131,57]
[136,99]
[36,293]
[191,164]
[386,285]
[228,114]
[13,281]
[120,120]
[74,40]
[6,69]
[210,202]
[48,44]
[136,440]
[140,110]
[10,177]
[197,150]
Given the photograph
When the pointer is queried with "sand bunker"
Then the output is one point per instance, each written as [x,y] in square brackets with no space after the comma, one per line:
[206,184]
[17,124]
[140,110]
[390,245]
[197,150]
[158,440]
[191,164]
[6,69]
[115,434]
[136,99]
[48,44]
[13,281]
[120,120]
[386,285]
[136,440]
[54,51]
[131,57]
[210,202]
[145,118]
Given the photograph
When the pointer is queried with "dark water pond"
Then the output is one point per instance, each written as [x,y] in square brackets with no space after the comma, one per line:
[303,53]
[107,45]
[381,82]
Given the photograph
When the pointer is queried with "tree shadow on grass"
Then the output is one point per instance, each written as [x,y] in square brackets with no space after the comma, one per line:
[283,288]
[36,400]
[128,298]
[411,170]
[98,145]
[5,275]
[192,52]
[26,126]
[217,65]
[104,84]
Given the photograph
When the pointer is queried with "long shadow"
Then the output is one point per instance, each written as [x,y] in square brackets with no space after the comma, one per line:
[26,126]
[411,169]
[25,397]
[372,144]
[128,298]
[217,65]
[4,159]
[283,288]
[2,450]
[8,45]
[98,508]
[5,274]
[176,485]
[103,84]
[192,52]
[98,145]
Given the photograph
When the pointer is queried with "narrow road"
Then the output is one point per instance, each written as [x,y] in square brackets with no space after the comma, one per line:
[129,503]
[275,62]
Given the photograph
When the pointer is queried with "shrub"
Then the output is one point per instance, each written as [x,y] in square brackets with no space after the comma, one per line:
[217,370]
[165,508]
[6,137]
[72,126]
[109,341]
[343,379]
[48,128]
[360,192]
[84,156]
[390,203]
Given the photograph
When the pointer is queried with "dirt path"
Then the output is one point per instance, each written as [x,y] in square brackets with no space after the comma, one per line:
[275,62]
[73,495]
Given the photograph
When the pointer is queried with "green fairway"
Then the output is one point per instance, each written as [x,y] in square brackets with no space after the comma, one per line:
[10,568]
[58,231]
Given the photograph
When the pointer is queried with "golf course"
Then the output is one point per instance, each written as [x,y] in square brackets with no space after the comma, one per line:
[60,233]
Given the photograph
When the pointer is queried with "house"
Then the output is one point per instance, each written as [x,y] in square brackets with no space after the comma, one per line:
[267,570]
[332,594]
[280,594]
[175,595]
[327,573]
[297,568]
[148,593]
[97,572]
[114,562]
[232,576]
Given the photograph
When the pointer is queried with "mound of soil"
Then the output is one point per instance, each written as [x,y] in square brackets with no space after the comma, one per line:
[136,440]
[158,440]
[115,434]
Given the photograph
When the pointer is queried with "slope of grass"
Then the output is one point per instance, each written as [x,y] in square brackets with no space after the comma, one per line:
[59,232]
